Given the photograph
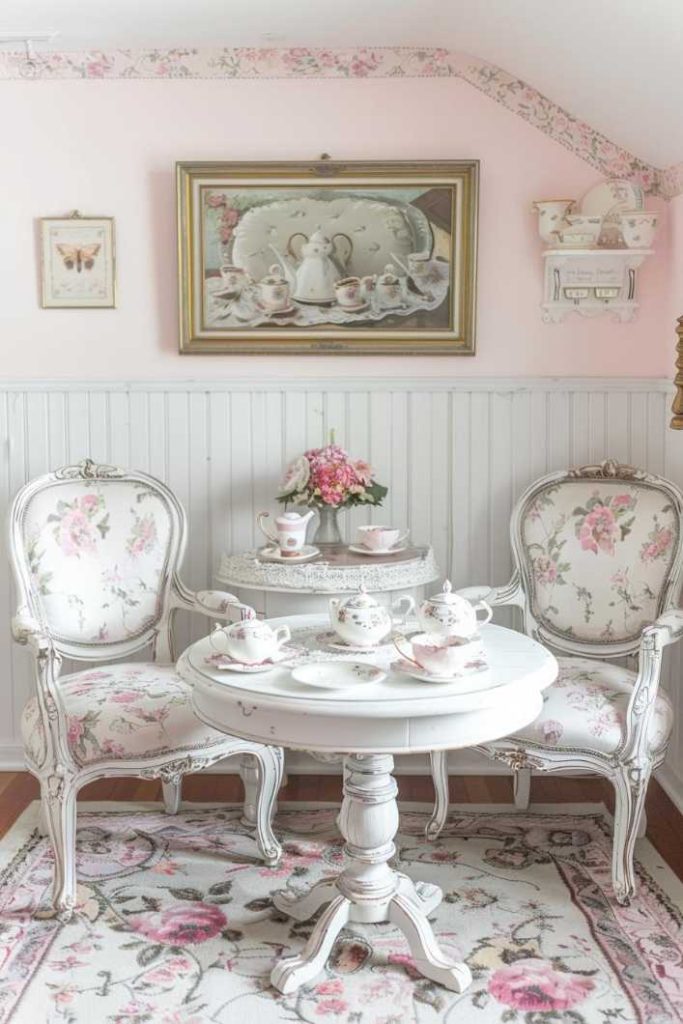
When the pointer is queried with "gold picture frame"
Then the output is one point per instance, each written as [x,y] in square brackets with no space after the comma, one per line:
[348,258]
[78,262]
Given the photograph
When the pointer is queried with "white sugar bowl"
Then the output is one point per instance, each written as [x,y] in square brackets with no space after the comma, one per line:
[360,620]
[449,614]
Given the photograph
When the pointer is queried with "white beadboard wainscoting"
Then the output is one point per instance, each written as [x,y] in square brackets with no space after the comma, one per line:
[455,454]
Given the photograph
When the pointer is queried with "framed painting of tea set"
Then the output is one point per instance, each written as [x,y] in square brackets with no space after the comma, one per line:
[328,257]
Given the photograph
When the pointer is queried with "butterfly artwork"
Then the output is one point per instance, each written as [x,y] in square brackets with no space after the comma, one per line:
[83,258]
[78,262]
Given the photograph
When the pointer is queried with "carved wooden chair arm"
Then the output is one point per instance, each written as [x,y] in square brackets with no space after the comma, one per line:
[217,604]
[667,629]
[28,631]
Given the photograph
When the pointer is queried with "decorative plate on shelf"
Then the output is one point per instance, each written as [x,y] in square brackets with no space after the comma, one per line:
[610,198]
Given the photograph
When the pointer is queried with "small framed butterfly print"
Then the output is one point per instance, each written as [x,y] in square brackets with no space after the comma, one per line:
[78,262]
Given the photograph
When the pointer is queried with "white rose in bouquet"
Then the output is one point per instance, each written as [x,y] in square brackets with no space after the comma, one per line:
[296,477]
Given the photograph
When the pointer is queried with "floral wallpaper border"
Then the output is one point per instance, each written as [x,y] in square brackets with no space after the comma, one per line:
[362,62]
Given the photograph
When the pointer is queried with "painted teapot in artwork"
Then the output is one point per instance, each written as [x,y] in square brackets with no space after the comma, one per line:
[313,265]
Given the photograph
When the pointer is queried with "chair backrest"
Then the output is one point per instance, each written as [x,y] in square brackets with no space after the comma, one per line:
[599,553]
[94,549]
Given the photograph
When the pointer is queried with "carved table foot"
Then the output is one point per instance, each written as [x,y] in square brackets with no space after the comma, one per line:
[368,889]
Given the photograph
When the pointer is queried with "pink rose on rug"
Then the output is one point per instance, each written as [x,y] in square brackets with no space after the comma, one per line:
[335,1006]
[535,985]
[598,529]
[189,924]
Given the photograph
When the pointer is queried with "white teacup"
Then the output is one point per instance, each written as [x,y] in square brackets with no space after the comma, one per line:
[380,538]
[234,278]
[438,656]
[250,642]
[273,291]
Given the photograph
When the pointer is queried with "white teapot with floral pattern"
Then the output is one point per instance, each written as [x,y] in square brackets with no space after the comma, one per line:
[360,620]
[449,614]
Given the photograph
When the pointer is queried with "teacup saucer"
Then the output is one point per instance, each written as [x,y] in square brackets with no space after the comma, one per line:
[359,549]
[224,662]
[287,311]
[354,309]
[272,554]
[405,668]
[334,641]
[337,675]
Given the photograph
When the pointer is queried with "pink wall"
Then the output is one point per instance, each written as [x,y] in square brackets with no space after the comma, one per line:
[110,147]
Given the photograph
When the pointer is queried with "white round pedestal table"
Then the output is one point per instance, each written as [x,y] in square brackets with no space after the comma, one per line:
[283,588]
[368,723]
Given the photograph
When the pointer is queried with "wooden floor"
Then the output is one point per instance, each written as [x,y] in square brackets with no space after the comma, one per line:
[664,828]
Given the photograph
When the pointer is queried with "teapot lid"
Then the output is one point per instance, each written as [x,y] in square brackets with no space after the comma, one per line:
[290,517]
[446,596]
[361,600]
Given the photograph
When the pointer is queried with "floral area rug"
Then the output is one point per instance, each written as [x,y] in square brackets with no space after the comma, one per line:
[176,925]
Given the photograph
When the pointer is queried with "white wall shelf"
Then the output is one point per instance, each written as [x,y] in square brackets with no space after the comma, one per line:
[591,282]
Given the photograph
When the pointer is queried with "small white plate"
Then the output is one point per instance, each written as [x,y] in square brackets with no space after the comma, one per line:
[610,198]
[335,642]
[272,554]
[405,668]
[337,675]
[360,550]
[223,662]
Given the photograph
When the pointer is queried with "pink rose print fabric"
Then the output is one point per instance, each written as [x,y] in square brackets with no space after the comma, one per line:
[598,554]
[96,551]
[176,925]
[129,709]
[586,707]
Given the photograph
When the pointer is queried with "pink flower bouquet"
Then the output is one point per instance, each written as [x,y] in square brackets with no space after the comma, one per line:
[329,477]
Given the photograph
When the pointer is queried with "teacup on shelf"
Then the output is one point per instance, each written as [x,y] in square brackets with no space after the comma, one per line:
[583,231]
[638,228]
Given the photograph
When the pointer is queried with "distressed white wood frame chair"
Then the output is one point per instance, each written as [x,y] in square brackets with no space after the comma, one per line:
[95,552]
[598,562]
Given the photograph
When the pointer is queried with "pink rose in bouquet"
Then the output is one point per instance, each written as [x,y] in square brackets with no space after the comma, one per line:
[330,477]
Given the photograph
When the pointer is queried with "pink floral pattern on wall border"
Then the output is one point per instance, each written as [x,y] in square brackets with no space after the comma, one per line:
[362,62]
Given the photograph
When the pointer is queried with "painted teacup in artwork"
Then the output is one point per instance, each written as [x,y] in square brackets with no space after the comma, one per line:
[234,279]
[380,538]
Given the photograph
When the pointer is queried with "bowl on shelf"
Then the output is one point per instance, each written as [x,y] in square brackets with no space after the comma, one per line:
[551,216]
[638,228]
[583,229]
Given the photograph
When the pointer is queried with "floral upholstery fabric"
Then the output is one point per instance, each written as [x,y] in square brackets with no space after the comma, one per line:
[598,553]
[96,551]
[128,710]
[586,707]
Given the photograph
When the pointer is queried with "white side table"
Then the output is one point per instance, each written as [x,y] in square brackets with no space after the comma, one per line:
[276,588]
[370,724]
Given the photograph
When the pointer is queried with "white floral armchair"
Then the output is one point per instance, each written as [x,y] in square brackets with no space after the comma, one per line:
[95,551]
[598,556]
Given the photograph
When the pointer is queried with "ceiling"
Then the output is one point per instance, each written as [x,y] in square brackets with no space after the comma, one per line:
[617,64]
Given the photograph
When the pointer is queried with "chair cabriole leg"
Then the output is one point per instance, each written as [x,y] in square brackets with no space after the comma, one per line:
[172,792]
[630,788]
[58,798]
[521,787]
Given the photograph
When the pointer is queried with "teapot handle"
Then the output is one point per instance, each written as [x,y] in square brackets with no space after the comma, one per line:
[265,529]
[410,607]
[282,635]
[482,606]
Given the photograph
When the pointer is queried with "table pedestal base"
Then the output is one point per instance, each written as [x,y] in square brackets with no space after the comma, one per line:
[368,890]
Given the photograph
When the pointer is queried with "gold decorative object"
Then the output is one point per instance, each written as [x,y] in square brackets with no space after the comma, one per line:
[677,404]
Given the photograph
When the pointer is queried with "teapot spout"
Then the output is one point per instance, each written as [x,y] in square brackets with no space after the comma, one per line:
[306,516]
